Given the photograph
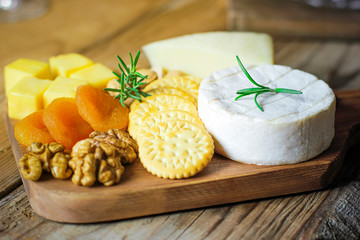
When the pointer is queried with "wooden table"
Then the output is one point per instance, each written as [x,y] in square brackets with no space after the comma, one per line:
[100,31]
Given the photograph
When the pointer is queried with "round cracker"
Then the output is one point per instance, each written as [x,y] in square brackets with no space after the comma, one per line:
[175,149]
[157,103]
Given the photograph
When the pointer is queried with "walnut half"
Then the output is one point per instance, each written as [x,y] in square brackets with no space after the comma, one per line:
[30,167]
[101,157]
[45,157]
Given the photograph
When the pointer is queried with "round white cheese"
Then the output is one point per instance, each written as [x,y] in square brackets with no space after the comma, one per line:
[292,128]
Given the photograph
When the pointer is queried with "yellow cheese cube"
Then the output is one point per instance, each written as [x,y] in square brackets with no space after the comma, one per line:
[62,87]
[21,68]
[26,96]
[96,75]
[64,65]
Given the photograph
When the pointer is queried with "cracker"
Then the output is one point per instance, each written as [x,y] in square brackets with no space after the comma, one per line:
[185,83]
[157,103]
[165,90]
[165,116]
[175,149]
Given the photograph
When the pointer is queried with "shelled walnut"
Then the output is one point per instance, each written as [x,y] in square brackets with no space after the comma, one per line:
[101,157]
[83,163]
[30,167]
[126,146]
[45,157]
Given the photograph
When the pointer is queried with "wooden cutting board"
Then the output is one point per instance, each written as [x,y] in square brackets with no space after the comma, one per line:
[223,181]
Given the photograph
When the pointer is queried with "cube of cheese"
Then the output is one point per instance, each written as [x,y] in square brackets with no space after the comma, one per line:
[26,96]
[62,87]
[21,68]
[96,75]
[64,65]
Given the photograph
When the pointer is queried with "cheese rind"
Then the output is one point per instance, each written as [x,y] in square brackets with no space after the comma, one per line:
[292,128]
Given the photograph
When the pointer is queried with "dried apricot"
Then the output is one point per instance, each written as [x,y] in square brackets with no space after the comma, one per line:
[101,110]
[64,122]
[32,129]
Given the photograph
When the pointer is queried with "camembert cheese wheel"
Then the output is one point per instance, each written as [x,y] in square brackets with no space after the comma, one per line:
[292,128]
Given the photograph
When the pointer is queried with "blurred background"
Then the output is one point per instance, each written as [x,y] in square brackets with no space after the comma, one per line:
[299,18]
[38,29]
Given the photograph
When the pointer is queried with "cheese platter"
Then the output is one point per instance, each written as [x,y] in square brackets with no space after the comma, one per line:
[95,145]
[222,181]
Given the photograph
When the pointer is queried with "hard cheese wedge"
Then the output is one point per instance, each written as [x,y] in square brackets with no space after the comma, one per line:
[202,53]
[292,128]
[21,68]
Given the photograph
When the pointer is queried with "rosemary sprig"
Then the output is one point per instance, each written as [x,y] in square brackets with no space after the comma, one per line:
[260,89]
[130,80]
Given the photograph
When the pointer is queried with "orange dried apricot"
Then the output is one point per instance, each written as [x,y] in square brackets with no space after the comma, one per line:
[101,110]
[64,122]
[32,129]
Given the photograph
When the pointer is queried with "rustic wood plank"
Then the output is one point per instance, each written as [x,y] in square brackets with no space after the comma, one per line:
[9,175]
[212,223]
[338,215]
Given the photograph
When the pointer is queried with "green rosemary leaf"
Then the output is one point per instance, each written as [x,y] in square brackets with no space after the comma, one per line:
[138,95]
[246,73]
[252,90]
[144,94]
[112,89]
[131,62]
[132,90]
[124,65]
[122,83]
[258,90]
[140,75]
[286,90]
[256,102]
[116,74]
[130,80]
[122,70]
[137,58]
[135,97]
[122,100]
[261,89]
[141,80]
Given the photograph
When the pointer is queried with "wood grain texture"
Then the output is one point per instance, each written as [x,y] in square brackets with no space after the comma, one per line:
[310,215]
[10,178]
[222,181]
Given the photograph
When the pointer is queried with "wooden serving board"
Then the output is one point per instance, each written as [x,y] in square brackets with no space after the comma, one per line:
[223,181]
